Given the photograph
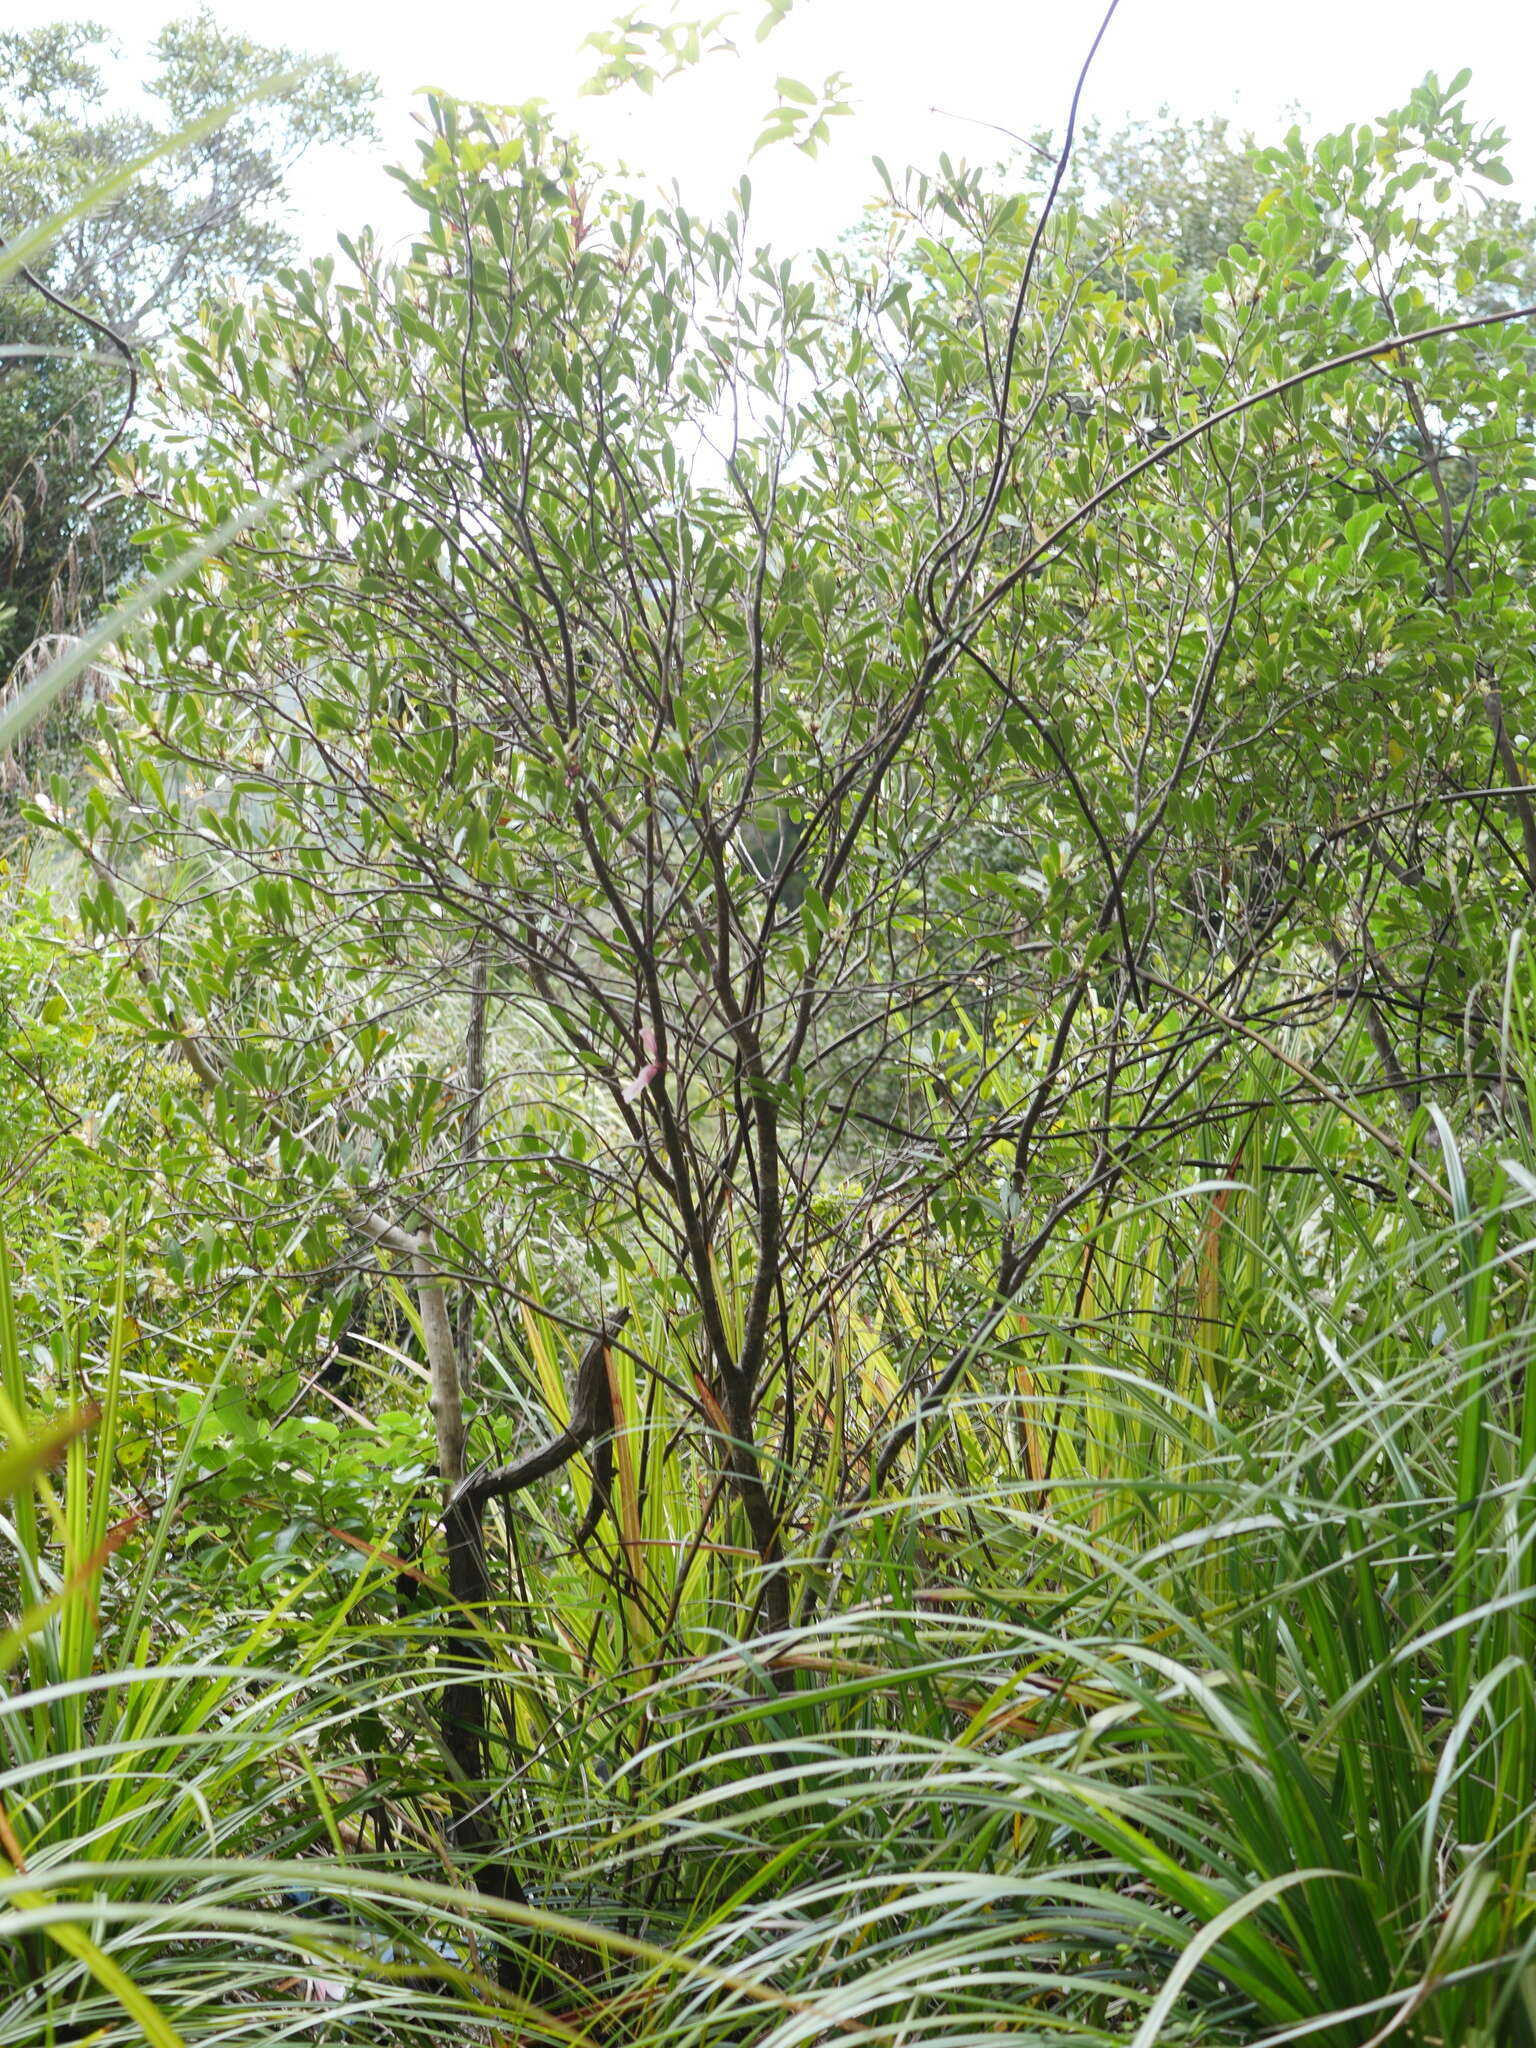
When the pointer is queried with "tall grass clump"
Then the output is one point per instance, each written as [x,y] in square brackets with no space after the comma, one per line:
[1221,1731]
[1178,1687]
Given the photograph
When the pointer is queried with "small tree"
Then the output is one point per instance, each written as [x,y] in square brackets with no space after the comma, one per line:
[750,760]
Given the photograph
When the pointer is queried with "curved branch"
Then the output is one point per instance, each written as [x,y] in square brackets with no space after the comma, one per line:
[1045,549]
[108,334]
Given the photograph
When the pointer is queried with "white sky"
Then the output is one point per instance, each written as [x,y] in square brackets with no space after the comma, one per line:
[1013,64]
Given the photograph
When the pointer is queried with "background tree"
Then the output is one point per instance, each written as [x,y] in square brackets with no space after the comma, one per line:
[1190,188]
[205,219]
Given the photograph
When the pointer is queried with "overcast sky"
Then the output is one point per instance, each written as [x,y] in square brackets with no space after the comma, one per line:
[1011,62]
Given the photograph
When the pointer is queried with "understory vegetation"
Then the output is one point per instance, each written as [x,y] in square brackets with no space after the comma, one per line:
[767,1118]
